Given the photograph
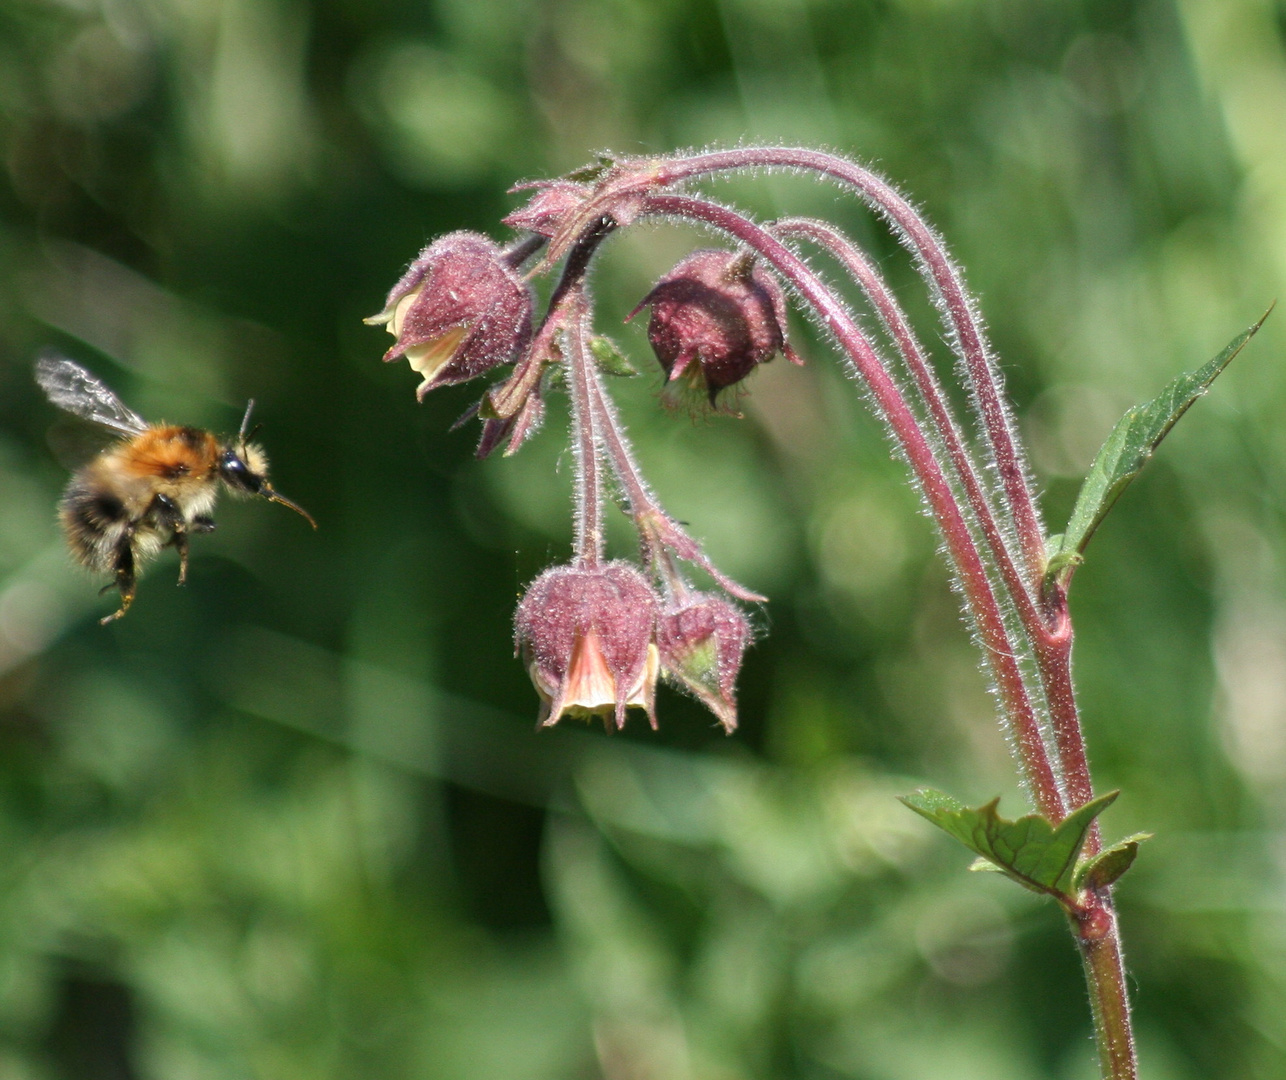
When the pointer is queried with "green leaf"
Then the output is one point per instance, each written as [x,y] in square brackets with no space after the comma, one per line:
[1127,449]
[609,358]
[1033,851]
[587,174]
[1060,561]
[1099,871]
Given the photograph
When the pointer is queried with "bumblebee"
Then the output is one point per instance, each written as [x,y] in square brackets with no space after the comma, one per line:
[152,487]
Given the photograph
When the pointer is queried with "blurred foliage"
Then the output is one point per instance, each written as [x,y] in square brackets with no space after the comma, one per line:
[292,821]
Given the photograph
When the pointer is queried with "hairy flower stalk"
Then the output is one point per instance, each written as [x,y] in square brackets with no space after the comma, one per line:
[944,278]
[930,392]
[597,633]
[1051,635]
[1000,650]
[586,418]
[660,536]
[1050,644]
[1055,792]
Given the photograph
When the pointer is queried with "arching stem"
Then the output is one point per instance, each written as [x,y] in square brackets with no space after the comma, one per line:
[983,373]
[988,618]
[1048,631]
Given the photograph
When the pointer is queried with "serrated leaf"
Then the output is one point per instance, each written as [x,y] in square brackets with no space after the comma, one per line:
[1101,870]
[609,358]
[1130,444]
[1032,850]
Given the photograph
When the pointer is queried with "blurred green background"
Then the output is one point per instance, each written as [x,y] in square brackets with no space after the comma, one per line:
[292,821]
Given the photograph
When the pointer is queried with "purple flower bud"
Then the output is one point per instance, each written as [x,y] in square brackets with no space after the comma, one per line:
[715,317]
[586,636]
[702,641]
[459,311]
[554,203]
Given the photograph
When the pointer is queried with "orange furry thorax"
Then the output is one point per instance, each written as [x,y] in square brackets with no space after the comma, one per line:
[170,451]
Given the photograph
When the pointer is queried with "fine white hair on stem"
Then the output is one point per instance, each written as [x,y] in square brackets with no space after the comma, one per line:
[946,285]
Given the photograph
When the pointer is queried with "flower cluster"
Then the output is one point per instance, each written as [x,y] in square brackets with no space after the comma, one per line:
[595,641]
[595,634]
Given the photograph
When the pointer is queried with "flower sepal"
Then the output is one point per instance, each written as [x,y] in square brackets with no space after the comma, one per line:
[701,641]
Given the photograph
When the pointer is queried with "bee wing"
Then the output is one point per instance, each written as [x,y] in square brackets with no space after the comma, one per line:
[74,442]
[71,387]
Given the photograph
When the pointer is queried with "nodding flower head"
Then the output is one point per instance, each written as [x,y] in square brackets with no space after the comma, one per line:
[715,317]
[701,641]
[459,311]
[587,637]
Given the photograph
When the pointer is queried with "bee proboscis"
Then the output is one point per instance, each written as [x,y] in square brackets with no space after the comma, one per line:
[152,487]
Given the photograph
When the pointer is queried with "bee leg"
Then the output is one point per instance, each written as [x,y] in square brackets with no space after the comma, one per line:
[180,543]
[179,540]
[167,513]
[126,580]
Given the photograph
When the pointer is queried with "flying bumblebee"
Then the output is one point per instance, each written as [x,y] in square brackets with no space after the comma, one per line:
[152,487]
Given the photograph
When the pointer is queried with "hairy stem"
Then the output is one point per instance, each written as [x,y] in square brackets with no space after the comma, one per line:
[1054,663]
[1097,932]
[1048,632]
[1100,944]
[981,601]
[980,366]
[586,440]
[660,534]
[926,382]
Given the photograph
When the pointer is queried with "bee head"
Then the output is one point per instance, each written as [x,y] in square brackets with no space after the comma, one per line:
[243,466]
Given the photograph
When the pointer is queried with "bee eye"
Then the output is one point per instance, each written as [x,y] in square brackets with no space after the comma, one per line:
[236,474]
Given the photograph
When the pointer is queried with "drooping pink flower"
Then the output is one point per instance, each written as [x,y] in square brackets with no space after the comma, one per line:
[701,642]
[716,317]
[587,637]
[458,311]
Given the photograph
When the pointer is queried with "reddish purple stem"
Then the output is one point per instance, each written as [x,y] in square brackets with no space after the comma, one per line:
[984,609]
[585,433]
[661,534]
[926,382]
[984,375]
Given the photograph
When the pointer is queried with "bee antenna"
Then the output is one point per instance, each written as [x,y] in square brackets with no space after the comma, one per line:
[245,422]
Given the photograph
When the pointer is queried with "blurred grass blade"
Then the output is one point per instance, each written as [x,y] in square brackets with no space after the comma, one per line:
[1127,449]
[1034,852]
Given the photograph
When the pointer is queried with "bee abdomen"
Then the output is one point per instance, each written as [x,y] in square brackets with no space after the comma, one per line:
[96,522]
